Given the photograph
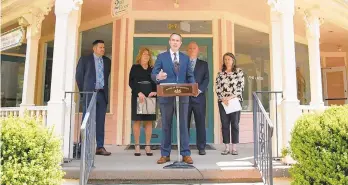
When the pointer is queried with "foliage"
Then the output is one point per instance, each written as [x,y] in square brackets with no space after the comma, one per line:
[319,144]
[30,154]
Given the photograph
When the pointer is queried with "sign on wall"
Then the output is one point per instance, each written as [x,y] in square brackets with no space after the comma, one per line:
[119,7]
[12,38]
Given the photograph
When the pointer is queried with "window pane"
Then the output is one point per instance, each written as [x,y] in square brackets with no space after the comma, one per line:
[252,54]
[48,70]
[302,74]
[167,27]
[12,77]
[100,33]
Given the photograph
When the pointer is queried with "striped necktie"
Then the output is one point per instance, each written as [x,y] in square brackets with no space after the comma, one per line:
[100,73]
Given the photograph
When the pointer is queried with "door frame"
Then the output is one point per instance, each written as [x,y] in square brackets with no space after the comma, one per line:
[334,69]
[323,56]
[210,97]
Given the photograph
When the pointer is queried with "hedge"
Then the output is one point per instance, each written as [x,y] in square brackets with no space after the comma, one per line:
[30,154]
[319,144]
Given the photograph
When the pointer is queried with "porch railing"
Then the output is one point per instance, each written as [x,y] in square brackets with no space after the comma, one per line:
[38,112]
[75,114]
[273,98]
[263,131]
[310,109]
[88,134]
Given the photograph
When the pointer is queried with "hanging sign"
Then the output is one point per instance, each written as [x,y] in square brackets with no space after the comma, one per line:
[119,7]
[12,38]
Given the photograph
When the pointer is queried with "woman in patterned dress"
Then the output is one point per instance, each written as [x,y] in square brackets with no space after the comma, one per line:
[229,85]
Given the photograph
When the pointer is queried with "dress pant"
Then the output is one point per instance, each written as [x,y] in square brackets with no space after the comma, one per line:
[198,110]
[227,121]
[167,112]
[101,107]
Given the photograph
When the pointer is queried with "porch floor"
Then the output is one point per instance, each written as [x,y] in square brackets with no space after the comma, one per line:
[123,167]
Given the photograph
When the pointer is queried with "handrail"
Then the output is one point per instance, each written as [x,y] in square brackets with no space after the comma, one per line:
[275,109]
[88,134]
[263,131]
[69,97]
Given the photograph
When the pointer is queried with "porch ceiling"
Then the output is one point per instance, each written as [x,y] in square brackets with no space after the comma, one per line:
[255,10]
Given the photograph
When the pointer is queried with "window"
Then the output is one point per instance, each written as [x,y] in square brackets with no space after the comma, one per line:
[48,70]
[253,57]
[100,33]
[168,27]
[12,76]
[302,74]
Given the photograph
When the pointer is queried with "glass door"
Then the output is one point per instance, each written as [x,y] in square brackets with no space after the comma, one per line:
[159,45]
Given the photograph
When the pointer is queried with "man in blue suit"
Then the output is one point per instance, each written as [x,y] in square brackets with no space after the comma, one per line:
[173,66]
[92,74]
[198,103]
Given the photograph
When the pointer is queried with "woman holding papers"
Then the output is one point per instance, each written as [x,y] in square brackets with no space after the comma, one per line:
[229,89]
[142,88]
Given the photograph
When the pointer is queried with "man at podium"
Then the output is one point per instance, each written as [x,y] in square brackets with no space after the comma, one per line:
[173,66]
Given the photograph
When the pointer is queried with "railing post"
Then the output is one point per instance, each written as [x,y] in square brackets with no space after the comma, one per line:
[270,159]
[255,129]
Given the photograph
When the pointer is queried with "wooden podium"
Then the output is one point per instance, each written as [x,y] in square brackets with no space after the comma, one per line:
[177,90]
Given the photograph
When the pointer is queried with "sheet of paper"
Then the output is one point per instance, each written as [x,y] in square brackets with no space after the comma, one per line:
[233,106]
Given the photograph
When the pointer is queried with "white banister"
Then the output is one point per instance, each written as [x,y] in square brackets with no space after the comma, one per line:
[37,112]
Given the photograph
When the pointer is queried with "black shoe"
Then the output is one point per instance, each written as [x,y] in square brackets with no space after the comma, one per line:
[201,152]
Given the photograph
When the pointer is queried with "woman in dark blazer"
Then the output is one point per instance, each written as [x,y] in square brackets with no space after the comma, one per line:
[142,86]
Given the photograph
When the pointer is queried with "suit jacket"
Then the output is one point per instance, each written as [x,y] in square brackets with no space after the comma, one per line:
[201,73]
[86,74]
[164,61]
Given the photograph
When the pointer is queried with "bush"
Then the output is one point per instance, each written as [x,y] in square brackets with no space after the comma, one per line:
[319,144]
[30,154]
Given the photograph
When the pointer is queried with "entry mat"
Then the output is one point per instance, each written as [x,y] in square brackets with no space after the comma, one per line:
[174,147]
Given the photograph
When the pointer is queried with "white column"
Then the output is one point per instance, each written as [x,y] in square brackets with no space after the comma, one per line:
[276,80]
[313,34]
[62,69]
[72,47]
[290,104]
[33,21]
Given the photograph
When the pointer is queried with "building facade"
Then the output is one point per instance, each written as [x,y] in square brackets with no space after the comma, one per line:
[297,48]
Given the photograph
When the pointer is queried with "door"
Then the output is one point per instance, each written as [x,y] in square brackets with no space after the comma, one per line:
[335,86]
[159,45]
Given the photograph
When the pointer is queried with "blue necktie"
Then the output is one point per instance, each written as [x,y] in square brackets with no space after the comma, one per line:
[100,73]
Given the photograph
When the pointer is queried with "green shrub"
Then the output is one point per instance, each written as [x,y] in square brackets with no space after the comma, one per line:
[30,154]
[319,144]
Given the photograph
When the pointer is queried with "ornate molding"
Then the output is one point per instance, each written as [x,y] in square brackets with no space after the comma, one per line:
[274,4]
[282,6]
[77,4]
[313,21]
[35,16]
[65,7]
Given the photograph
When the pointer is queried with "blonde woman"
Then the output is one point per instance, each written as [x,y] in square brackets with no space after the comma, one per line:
[229,85]
[142,86]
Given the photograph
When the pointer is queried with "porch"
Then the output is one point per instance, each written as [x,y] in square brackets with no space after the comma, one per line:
[123,167]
